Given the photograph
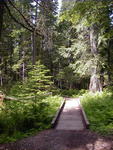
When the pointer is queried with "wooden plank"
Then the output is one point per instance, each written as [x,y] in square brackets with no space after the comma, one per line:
[85,119]
[71,118]
[55,119]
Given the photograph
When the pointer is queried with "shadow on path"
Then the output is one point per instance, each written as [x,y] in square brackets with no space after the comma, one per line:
[62,140]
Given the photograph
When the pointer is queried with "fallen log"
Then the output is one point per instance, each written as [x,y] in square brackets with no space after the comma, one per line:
[10,98]
[23,98]
[18,99]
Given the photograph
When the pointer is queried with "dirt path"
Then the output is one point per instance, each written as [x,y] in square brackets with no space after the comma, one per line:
[71,118]
[62,140]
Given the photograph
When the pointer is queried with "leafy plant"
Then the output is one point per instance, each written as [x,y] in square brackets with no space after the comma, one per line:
[99,110]
[73,92]
[22,118]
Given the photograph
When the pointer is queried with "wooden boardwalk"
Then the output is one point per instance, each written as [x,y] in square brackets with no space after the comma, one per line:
[71,118]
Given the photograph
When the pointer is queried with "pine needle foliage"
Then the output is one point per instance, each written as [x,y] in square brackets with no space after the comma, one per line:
[38,82]
[38,79]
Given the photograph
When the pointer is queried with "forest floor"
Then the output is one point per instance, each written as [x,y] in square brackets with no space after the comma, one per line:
[62,140]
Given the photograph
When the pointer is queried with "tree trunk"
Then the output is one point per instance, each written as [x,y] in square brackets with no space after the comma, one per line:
[109,60]
[33,48]
[95,84]
[33,37]
[1,81]
[23,67]
[1,71]
[1,15]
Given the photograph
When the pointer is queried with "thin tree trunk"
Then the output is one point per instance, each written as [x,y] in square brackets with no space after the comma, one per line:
[1,80]
[109,61]
[23,71]
[22,55]
[34,53]
[70,87]
[33,48]
[23,67]
[1,15]
[1,74]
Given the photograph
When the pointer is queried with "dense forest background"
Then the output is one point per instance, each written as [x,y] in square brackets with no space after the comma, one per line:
[44,51]
[76,46]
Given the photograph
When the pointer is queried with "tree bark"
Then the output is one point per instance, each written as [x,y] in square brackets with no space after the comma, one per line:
[1,74]
[1,81]
[109,60]
[33,48]
[95,84]
[1,15]
[23,66]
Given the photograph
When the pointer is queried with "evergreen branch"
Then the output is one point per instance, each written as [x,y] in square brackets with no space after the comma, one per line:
[25,19]
[31,30]
[5,4]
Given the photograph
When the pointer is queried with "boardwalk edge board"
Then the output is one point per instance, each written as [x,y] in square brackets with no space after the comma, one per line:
[55,119]
[85,119]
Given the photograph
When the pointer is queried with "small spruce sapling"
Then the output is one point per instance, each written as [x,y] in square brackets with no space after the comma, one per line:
[39,80]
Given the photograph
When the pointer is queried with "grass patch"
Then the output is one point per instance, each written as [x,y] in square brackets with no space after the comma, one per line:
[99,110]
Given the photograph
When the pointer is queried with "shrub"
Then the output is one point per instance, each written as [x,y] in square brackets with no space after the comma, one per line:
[21,118]
[99,109]
[73,92]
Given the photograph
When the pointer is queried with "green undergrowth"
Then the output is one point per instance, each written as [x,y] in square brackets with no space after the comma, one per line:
[22,118]
[72,92]
[99,110]
[32,108]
